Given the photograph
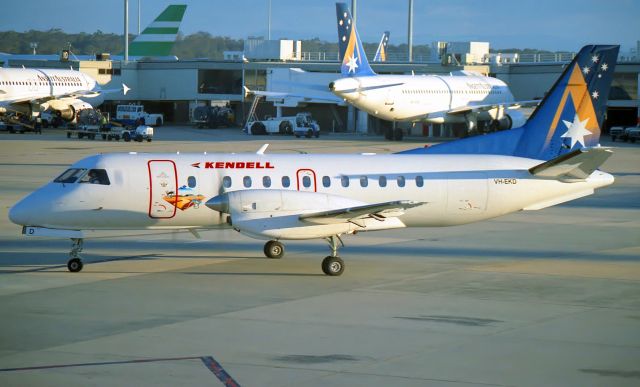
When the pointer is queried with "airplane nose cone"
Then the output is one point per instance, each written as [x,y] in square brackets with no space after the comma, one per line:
[219,203]
[19,214]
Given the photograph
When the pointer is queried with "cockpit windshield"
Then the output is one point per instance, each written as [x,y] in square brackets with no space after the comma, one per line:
[92,176]
[96,176]
[70,175]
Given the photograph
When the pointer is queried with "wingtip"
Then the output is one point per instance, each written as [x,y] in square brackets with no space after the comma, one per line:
[125,89]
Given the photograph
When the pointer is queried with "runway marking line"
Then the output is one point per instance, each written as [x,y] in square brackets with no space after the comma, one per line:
[208,361]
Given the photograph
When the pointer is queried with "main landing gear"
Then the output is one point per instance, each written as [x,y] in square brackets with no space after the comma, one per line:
[75,263]
[332,265]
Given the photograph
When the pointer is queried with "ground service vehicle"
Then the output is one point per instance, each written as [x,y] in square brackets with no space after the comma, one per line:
[302,124]
[127,115]
[213,116]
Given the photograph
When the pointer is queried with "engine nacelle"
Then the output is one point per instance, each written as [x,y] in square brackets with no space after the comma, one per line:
[274,214]
[511,119]
[68,109]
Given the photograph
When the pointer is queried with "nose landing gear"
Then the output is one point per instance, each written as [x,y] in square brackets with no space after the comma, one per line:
[75,263]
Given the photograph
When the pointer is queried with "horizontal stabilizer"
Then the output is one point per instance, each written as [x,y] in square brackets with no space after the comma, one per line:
[573,166]
[378,211]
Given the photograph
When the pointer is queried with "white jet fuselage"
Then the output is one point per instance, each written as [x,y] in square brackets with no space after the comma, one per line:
[270,192]
[22,88]
[427,98]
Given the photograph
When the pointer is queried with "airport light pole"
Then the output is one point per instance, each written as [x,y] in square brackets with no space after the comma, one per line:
[269,22]
[126,31]
[139,1]
[354,5]
[33,45]
[410,31]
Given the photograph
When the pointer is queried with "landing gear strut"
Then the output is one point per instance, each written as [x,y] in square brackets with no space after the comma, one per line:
[274,249]
[75,263]
[333,265]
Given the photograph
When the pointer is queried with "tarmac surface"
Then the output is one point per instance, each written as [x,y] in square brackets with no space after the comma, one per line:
[548,297]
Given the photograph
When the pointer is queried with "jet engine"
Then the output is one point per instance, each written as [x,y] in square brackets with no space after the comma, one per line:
[68,110]
[512,119]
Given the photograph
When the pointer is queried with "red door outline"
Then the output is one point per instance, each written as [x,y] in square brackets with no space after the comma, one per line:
[305,172]
[151,199]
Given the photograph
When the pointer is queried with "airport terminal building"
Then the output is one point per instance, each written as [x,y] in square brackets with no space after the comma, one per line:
[176,88]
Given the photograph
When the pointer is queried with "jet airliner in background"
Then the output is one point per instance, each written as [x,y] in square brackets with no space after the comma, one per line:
[66,92]
[463,97]
[552,159]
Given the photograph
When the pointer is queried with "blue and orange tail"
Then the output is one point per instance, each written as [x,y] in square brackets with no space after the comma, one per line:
[569,117]
[381,53]
[352,56]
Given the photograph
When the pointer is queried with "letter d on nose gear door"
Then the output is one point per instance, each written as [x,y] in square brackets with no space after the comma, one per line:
[163,189]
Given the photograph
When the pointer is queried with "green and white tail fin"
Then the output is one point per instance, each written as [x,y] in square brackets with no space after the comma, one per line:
[158,38]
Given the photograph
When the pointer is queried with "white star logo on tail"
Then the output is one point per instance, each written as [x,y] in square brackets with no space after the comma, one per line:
[352,64]
[576,130]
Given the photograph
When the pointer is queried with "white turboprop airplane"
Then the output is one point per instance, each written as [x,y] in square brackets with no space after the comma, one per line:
[550,160]
[67,92]
[463,97]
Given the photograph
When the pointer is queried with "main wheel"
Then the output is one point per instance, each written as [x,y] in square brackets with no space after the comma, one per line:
[274,249]
[74,265]
[309,133]
[258,129]
[333,266]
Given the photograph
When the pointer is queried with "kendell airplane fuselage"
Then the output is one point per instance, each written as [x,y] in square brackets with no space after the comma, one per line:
[279,201]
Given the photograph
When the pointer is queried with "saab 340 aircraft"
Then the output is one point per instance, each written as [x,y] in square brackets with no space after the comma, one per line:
[552,159]
[463,97]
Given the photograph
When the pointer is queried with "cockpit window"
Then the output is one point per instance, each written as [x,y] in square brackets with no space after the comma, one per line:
[96,176]
[70,175]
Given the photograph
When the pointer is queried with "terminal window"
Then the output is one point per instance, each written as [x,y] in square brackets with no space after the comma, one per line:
[220,82]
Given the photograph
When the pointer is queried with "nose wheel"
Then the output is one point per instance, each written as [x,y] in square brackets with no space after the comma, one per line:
[274,249]
[75,263]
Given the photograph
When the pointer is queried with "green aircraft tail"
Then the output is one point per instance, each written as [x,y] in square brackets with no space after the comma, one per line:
[158,38]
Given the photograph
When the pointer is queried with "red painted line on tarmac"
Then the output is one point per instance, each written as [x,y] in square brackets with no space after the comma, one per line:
[208,361]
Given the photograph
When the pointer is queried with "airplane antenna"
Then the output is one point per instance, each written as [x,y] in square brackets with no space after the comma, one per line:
[262,149]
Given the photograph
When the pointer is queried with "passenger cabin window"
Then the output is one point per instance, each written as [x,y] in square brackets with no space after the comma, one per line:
[191,181]
[364,181]
[382,181]
[96,176]
[401,181]
[226,182]
[344,180]
[246,181]
[266,181]
[306,181]
[419,181]
[326,181]
[70,175]
[286,182]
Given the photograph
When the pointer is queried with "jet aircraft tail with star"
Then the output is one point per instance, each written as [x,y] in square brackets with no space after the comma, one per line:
[568,119]
[353,59]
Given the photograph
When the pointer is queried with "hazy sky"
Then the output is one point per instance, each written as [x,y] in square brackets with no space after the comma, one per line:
[544,24]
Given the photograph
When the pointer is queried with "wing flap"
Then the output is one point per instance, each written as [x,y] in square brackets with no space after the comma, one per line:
[357,215]
[573,166]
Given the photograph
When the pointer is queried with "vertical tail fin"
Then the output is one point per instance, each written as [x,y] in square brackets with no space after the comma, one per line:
[381,53]
[570,116]
[352,56]
[158,38]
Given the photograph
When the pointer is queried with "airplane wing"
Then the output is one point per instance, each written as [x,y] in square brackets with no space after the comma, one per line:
[76,94]
[357,215]
[573,166]
[482,108]
[282,95]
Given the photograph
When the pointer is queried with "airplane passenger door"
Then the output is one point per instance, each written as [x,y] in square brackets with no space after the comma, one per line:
[163,189]
[306,180]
